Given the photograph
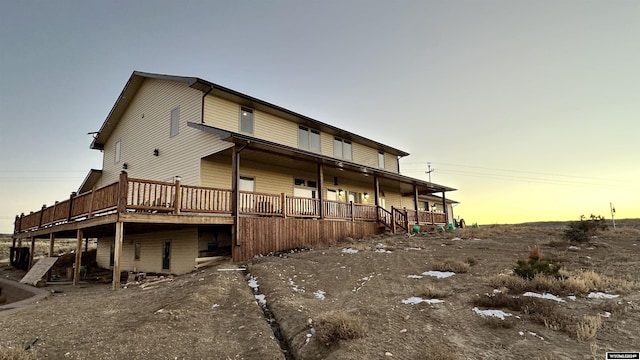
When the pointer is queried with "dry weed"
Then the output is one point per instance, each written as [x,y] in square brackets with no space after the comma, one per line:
[431,292]
[441,351]
[455,266]
[335,326]
[471,261]
[588,327]
[9,353]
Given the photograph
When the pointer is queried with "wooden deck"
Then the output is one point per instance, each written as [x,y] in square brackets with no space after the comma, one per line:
[148,201]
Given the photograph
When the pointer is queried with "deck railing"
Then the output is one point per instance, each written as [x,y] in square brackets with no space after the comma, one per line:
[139,195]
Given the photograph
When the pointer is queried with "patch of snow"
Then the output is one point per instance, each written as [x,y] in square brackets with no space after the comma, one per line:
[521,333]
[456,239]
[573,248]
[543,296]
[417,300]
[601,295]
[253,283]
[262,300]
[536,335]
[495,313]
[319,294]
[295,287]
[415,276]
[591,248]
[476,239]
[306,341]
[383,251]
[214,306]
[412,248]
[349,251]
[606,314]
[572,297]
[439,274]
[366,278]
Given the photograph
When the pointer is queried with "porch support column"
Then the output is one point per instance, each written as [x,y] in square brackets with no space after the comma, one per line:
[321,191]
[376,195]
[76,268]
[415,202]
[235,195]
[52,239]
[444,206]
[33,248]
[117,253]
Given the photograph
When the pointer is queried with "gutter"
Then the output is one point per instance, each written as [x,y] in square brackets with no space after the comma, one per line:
[202,108]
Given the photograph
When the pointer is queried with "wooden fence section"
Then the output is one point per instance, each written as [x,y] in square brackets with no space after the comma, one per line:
[263,235]
[424,217]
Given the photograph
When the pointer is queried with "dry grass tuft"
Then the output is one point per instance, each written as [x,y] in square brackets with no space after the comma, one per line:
[361,246]
[9,353]
[471,261]
[455,266]
[546,357]
[570,283]
[496,323]
[431,292]
[336,326]
[558,244]
[441,351]
[588,327]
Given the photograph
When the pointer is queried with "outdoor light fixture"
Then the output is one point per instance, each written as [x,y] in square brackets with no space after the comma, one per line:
[156,152]
[125,166]
[366,196]
[341,192]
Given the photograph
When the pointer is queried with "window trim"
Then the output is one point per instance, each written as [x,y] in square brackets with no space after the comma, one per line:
[174,122]
[342,142]
[381,161]
[248,110]
[310,131]
[118,151]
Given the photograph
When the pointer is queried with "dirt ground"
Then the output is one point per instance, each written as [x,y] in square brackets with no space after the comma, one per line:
[213,314]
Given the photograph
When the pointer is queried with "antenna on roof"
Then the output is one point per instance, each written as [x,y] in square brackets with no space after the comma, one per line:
[94,133]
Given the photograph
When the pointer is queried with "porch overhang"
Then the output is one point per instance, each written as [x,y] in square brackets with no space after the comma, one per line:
[423,187]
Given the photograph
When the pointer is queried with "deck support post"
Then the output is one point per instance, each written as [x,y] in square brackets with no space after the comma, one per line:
[376,196]
[52,239]
[76,266]
[320,192]
[415,202]
[117,252]
[235,197]
[33,248]
[178,201]
[444,208]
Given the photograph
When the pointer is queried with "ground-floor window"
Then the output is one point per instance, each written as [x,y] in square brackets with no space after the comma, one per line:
[305,188]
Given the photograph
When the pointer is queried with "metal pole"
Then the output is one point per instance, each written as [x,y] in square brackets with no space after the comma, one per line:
[613,211]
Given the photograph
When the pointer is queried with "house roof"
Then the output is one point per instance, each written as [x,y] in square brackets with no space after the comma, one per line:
[90,180]
[137,78]
[423,187]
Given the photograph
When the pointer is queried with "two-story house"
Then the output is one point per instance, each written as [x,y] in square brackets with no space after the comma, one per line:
[192,170]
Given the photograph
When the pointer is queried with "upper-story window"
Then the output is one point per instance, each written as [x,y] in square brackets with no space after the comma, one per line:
[342,148]
[117,157]
[246,120]
[308,139]
[381,159]
[175,122]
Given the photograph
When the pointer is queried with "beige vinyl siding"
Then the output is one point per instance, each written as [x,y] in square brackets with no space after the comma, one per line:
[225,114]
[145,126]
[272,179]
[184,250]
[390,162]
[326,144]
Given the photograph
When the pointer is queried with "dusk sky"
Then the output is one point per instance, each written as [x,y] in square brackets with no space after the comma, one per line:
[531,109]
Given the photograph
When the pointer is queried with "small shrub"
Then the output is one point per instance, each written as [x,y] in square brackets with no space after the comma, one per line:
[588,327]
[336,326]
[527,269]
[583,230]
[471,261]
